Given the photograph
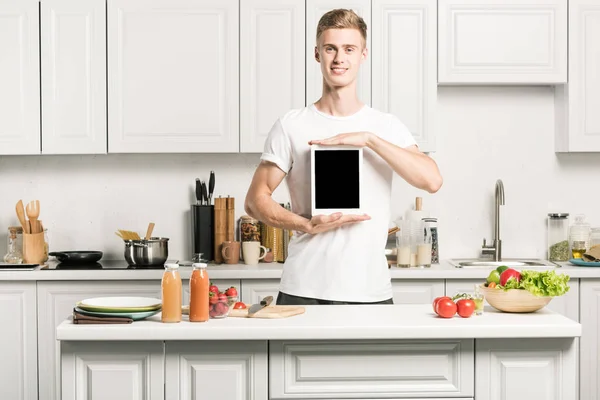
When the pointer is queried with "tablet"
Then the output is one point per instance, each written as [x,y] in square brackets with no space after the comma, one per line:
[336,173]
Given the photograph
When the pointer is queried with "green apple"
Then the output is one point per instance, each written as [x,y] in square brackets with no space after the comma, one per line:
[501,269]
[494,276]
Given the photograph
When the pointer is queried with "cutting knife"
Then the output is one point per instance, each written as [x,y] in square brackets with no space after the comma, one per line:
[257,307]
[198,192]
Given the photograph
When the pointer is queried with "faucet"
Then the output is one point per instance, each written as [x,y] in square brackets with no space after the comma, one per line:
[496,249]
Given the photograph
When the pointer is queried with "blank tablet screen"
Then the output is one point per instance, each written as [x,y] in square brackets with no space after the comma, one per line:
[336,178]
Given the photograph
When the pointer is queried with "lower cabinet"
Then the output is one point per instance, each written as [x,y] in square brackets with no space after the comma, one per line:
[18,347]
[589,367]
[228,370]
[254,290]
[371,369]
[112,370]
[417,291]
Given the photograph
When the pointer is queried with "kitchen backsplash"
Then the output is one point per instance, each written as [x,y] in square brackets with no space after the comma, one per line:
[483,133]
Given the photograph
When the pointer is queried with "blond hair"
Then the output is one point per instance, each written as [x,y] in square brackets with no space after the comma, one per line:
[342,19]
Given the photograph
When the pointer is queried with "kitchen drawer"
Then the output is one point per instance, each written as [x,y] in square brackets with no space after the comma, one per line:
[371,369]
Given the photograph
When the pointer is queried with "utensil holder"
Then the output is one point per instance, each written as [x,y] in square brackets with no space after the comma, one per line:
[34,248]
[202,231]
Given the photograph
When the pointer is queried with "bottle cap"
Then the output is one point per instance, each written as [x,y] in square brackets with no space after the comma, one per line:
[199,265]
[172,265]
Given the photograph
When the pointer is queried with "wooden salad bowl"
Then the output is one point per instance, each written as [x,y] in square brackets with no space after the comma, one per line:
[514,300]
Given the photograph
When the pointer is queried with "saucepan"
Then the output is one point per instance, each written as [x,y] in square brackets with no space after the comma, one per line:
[153,251]
[77,257]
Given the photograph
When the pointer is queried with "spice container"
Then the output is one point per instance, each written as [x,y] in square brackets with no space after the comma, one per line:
[579,236]
[431,225]
[249,229]
[594,237]
[558,236]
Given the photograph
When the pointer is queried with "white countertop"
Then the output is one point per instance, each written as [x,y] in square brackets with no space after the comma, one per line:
[338,322]
[444,270]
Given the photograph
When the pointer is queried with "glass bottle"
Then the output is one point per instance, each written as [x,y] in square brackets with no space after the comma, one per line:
[171,294]
[199,284]
[579,236]
[14,255]
[558,236]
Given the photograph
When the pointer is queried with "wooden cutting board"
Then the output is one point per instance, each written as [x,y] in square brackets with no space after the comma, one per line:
[270,312]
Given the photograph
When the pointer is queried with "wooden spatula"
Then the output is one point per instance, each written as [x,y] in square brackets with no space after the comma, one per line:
[21,216]
[33,212]
[149,231]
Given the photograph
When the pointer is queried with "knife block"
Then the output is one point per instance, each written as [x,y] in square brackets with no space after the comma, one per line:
[202,231]
[220,227]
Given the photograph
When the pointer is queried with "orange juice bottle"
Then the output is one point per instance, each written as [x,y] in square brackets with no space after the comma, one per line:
[199,285]
[171,294]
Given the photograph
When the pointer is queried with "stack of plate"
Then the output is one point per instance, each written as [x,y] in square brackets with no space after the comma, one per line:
[136,308]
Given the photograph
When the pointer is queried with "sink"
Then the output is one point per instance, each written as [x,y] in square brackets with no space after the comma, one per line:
[509,262]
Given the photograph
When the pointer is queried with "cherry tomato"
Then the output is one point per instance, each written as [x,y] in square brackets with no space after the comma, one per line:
[465,307]
[492,285]
[437,300]
[446,308]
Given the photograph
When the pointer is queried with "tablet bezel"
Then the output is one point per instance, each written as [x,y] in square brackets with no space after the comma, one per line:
[329,211]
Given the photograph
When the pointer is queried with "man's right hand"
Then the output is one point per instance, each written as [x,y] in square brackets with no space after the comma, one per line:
[324,223]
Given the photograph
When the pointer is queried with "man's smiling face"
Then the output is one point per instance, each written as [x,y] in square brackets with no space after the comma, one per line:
[340,52]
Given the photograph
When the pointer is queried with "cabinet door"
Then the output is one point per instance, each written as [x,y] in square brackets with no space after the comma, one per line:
[254,290]
[74,76]
[502,41]
[173,76]
[18,365]
[55,303]
[231,370]
[19,77]
[526,369]
[577,104]
[416,291]
[589,367]
[404,57]
[272,53]
[112,370]
[314,79]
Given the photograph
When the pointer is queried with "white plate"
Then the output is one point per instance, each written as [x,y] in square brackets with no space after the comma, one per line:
[120,303]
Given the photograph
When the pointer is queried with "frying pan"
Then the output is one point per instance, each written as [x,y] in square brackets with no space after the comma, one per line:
[77,257]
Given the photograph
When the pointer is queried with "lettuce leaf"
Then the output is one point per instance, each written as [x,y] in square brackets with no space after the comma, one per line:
[540,283]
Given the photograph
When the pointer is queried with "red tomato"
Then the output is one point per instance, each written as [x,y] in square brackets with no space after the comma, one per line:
[437,299]
[446,308]
[239,305]
[465,307]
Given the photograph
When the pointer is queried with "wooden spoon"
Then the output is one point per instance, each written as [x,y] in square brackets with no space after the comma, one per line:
[33,212]
[21,216]
[149,231]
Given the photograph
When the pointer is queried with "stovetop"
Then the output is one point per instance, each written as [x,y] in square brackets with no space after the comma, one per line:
[101,265]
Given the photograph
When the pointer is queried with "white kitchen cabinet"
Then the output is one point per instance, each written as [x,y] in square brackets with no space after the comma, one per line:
[254,290]
[56,300]
[567,305]
[19,77]
[173,73]
[73,59]
[131,370]
[314,78]
[370,369]
[222,284]
[404,62]
[231,370]
[502,42]
[589,367]
[272,56]
[578,102]
[417,291]
[18,347]
[526,369]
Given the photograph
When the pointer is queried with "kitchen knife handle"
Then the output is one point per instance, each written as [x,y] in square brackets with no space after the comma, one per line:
[211,186]
[204,194]
[198,192]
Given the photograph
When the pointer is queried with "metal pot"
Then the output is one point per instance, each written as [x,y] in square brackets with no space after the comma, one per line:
[147,252]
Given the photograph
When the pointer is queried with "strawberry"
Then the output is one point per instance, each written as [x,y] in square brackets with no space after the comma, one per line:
[231,292]
[221,308]
[213,288]
[212,298]
[222,298]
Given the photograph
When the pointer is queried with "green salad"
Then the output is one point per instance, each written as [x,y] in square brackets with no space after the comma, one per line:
[540,283]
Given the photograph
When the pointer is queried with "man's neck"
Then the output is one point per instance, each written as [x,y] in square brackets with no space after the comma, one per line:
[339,102]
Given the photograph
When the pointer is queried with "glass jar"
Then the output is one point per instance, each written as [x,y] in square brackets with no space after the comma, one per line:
[579,236]
[594,237]
[249,229]
[558,236]
[431,224]
[14,254]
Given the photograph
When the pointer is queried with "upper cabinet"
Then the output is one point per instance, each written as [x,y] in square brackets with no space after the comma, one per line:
[314,78]
[272,56]
[73,48]
[173,73]
[502,41]
[578,103]
[404,56]
[19,77]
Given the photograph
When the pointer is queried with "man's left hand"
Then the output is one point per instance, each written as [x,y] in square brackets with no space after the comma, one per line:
[356,139]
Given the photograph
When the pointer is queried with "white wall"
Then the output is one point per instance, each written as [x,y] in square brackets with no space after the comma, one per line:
[484,133]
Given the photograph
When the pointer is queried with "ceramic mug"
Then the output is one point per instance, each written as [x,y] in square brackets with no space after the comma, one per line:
[252,252]
[231,252]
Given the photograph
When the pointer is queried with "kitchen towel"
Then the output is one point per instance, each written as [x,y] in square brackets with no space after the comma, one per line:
[79,318]
[593,254]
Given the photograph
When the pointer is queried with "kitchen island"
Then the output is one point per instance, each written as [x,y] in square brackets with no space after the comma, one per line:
[329,352]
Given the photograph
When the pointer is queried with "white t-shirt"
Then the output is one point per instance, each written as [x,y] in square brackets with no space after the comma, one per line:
[348,263]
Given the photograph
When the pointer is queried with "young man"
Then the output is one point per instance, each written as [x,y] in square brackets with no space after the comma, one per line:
[337,259]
